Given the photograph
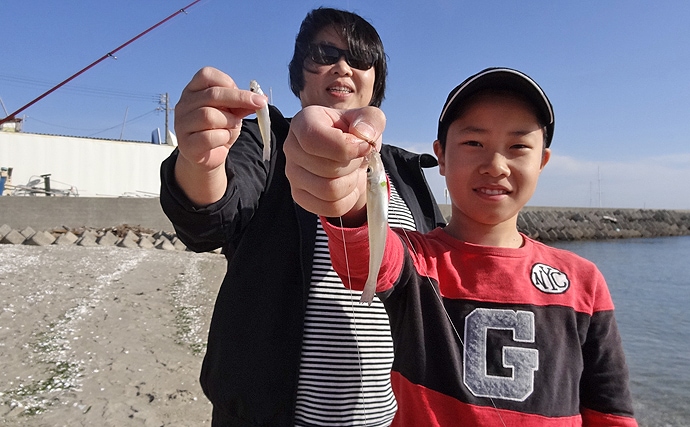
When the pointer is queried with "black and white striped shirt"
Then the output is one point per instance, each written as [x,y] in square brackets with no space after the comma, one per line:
[347,350]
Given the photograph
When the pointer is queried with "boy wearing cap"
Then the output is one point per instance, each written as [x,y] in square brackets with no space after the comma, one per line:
[489,326]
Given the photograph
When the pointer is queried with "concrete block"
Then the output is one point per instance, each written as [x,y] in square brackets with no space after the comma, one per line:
[59,230]
[87,239]
[128,242]
[40,238]
[163,243]
[145,243]
[172,235]
[576,233]
[130,234]
[179,245]
[28,232]
[521,222]
[578,217]
[559,235]
[67,238]
[149,238]
[107,239]
[588,233]
[550,236]
[13,238]
[4,229]
[91,233]
[631,234]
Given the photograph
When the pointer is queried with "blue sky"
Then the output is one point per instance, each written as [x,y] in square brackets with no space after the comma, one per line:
[616,72]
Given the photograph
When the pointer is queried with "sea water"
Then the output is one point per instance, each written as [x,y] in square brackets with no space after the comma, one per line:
[649,281]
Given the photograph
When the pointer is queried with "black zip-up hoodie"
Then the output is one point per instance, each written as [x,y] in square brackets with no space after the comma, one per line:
[251,366]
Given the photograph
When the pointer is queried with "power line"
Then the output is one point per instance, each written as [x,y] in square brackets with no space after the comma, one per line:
[110,54]
[99,130]
[127,121]
[83,90]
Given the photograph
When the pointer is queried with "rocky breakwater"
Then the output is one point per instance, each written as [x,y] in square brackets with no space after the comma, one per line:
[125,236]
[543,224]
[552,224]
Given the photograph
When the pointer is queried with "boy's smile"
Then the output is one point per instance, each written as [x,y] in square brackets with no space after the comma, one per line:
[493,156]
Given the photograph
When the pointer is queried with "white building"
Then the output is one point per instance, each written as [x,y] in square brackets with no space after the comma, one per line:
[82,166]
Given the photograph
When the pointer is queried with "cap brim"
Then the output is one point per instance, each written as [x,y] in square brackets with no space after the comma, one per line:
[500,79]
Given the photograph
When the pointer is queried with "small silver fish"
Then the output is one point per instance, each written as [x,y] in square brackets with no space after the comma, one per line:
[377,220]
[264,121]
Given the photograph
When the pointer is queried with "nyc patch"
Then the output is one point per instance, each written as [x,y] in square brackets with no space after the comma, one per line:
[549,280]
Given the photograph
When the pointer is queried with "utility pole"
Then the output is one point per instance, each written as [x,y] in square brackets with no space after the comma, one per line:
[122,131]
[165,102]
[167,110]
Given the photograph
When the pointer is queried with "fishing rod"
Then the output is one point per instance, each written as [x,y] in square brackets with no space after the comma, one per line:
[110,54]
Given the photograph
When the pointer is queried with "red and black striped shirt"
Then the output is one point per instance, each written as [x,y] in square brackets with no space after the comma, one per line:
[495,336]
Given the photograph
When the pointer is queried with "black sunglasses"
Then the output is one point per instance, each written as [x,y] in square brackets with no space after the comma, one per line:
[324,54]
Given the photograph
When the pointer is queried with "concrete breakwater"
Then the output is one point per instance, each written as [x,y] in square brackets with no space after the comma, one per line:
[552,224]
[140,223]
[123,235]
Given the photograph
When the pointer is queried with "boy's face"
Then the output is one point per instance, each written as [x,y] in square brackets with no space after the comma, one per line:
[493,156]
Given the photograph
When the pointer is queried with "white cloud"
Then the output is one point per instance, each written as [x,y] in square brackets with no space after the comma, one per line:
[653,183]
[661,182]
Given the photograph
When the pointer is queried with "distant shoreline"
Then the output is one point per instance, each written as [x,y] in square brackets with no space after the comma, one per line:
[596,224]
[143,217]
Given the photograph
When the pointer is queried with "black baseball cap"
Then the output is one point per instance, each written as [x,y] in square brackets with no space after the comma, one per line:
[498,78]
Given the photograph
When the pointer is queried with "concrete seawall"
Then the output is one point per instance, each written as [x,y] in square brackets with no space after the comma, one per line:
[551,224]
[104,219]
[45,213]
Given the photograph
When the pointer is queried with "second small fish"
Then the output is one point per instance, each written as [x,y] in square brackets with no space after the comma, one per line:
[264,120]
[377,221]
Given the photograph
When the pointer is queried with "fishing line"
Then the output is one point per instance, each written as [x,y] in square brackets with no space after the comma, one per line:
[354,323]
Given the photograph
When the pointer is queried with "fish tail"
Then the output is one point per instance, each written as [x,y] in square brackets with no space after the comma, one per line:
[267,150]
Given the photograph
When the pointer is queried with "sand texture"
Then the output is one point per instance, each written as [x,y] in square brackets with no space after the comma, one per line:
[104,336]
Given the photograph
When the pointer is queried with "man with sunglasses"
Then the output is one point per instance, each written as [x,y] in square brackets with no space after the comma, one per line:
[287,345]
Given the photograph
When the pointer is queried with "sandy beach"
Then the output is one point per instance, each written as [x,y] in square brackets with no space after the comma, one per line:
[104,336]
[111,336]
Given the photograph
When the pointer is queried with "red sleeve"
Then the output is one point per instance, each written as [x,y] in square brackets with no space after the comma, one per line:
[353,268]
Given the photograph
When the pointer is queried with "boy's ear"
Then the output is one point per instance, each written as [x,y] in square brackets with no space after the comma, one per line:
[545,157]
[438,150]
